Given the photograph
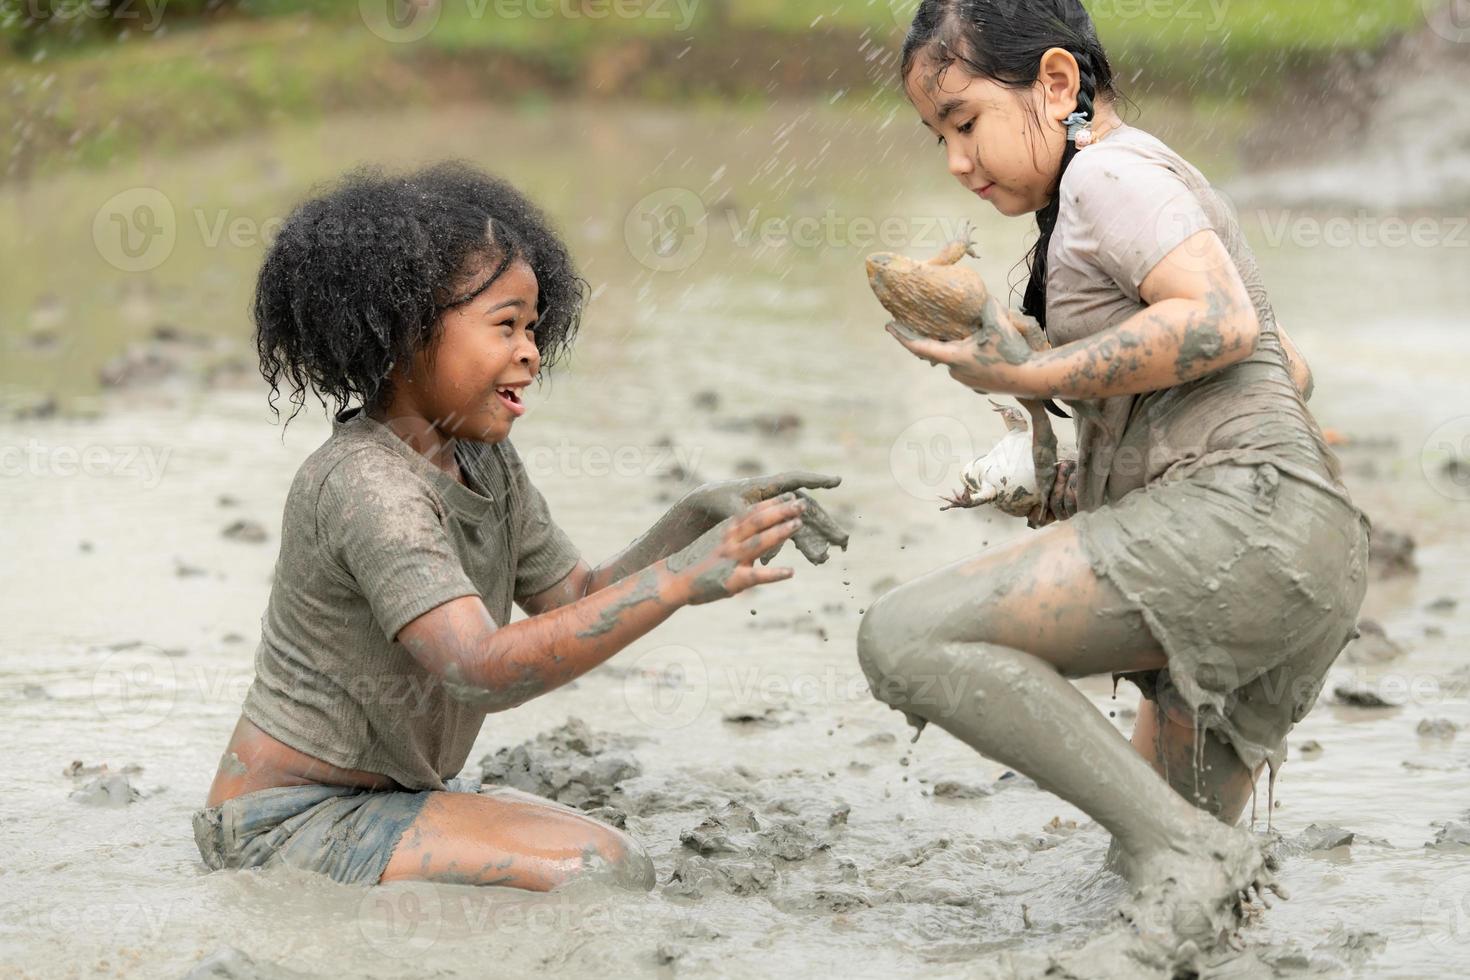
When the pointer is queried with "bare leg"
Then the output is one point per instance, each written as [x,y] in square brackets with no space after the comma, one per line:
[504,837]
[1222,786]
[983,649]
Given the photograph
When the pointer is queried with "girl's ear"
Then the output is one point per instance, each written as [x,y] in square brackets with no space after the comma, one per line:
[1060,80]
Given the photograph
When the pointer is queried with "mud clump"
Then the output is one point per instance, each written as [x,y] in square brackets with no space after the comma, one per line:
[734,850]
[230,963]
[735,829]
[949,789]
[1441,728]
[1391,553]
[695,876]
[1371,646]
[1452,835]
[245,531]
[571,765]
[104,787]
[1319,839]
[111,790]
[767,718]
[1357,696]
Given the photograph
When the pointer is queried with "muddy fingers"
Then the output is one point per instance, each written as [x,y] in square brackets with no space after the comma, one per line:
[717,565]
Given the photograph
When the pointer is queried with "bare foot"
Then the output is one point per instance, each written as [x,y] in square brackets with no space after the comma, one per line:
[1194,891]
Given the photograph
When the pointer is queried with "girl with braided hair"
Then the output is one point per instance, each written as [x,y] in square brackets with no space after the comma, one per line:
[1206,547]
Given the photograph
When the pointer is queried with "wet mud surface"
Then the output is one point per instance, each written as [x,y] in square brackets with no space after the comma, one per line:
[793,824]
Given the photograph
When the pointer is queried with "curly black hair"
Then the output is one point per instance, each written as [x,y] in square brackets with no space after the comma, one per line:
[359,276]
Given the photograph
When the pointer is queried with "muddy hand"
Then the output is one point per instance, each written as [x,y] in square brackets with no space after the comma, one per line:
[1061,499]
[1043,451]
[820,530]
[989,360]
[720,562]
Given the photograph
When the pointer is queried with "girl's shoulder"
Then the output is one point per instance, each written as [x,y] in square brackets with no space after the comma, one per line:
[1128,162]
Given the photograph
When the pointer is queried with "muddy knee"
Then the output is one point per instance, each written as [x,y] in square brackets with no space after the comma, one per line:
[617,859]
[899,658]
[880,642]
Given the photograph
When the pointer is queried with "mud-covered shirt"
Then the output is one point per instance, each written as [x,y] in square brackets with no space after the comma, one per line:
[375,535]
[1127,201]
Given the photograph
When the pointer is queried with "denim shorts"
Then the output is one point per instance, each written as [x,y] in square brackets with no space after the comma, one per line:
[344,833]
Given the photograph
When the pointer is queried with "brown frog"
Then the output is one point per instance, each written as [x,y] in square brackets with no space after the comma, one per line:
[943,300]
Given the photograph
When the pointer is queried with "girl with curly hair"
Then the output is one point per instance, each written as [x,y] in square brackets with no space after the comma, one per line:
[422,307]
[1207,547]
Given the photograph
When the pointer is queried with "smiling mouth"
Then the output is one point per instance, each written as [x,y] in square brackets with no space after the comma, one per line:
[510,397]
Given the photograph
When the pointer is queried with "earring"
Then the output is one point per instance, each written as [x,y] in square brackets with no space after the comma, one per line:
[1079,129]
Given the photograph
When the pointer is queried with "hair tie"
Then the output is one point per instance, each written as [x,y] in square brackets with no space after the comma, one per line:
[1079,129]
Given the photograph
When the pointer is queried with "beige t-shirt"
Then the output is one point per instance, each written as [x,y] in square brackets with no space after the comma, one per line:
[1126,202]
[375,535]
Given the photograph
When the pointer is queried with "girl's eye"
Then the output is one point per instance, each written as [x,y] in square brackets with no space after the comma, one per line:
[964,130]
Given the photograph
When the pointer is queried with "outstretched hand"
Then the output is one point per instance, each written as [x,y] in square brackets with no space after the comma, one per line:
[720,562]
[819,530]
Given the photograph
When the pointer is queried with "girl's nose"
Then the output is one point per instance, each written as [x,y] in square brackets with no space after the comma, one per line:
[530,356]
[959,162]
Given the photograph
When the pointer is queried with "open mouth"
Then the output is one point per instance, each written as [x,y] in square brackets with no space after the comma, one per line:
[510,397]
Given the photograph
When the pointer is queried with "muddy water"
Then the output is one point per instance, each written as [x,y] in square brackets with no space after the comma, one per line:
[131,618]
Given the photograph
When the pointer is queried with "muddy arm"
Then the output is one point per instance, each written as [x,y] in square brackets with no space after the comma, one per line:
[1301,372]
[1199,319]
[496,668]
[694,514]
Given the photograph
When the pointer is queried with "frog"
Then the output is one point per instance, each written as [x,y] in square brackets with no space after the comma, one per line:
[941,299]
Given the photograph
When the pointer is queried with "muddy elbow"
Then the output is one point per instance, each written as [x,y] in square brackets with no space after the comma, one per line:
[487,699]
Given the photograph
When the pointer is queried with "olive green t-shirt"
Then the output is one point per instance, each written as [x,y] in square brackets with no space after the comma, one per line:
[1127,201]
[374,536]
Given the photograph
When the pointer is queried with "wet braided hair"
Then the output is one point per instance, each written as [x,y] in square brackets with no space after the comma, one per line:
[359,277]
[1003,40]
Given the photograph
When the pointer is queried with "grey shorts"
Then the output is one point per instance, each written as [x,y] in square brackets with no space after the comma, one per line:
[347,834]
[1250,579]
